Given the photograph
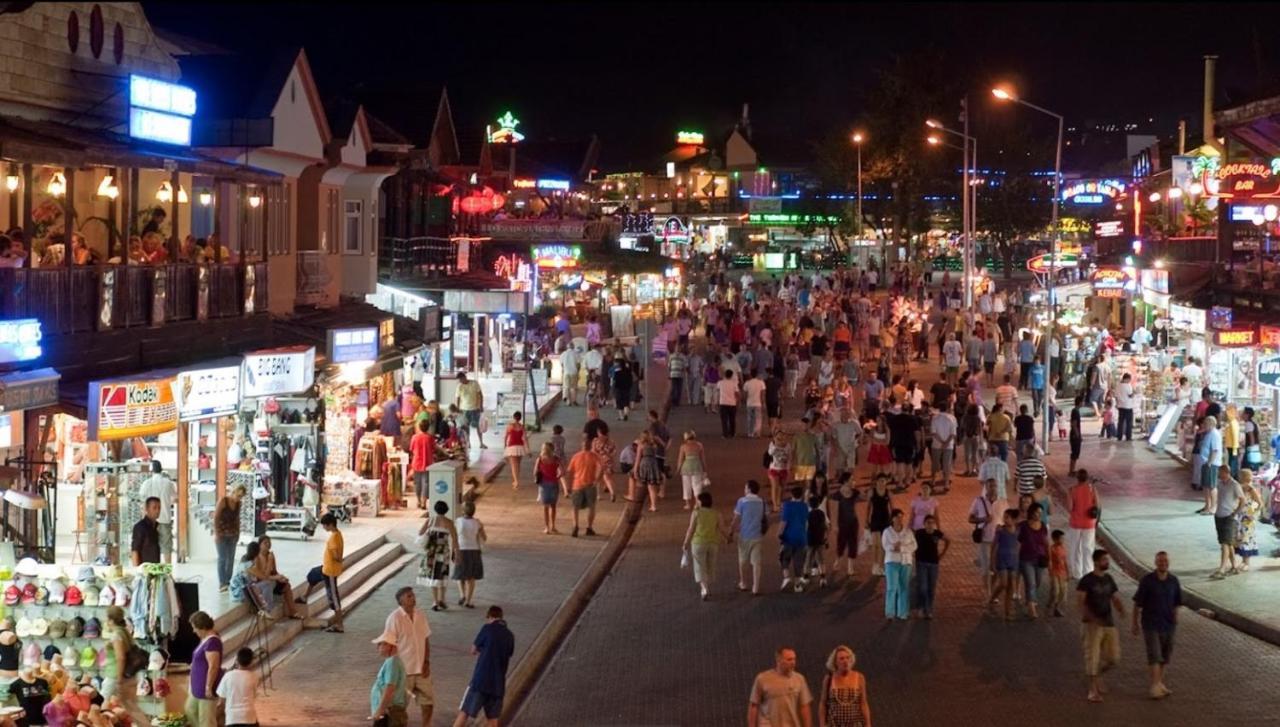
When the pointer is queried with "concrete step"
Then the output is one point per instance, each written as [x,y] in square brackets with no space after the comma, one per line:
[375,580]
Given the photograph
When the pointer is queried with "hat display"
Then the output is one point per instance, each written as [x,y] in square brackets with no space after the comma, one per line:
[90,595]
[42,596]
[23,629]
[74,596]
[31,654]
[159,659]
[51,651]
[57,628]
[11,594]
[27,567]
[29,594]
[106,596]
[75,628]
[57,590]
[39,627]
[85,573]
[92,628]
[88,657]
[122,594]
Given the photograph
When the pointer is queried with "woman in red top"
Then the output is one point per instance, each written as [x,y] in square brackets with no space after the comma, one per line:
[515,447]
[548,473]
[422,454]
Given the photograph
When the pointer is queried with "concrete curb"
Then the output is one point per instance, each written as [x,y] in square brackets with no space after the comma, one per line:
[544,647]
[1135,569]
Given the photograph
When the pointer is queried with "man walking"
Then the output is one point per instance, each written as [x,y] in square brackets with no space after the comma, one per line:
[328,571]
[470,401]
[985,514]
[943,427]
[1098,596]
[570,362]
[931,545]
[492,648]
[407,624]
[1125,395]
[583,472]
[677,365]
[780,696]
[727,391]
[748,523]
[753,392]
[159,486]
[1155,607]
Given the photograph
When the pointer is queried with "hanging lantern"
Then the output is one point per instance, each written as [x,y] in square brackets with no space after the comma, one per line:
[165,193]
[11,182]
[57,185]
[497,202]
[475,204]
[107,188]
[182,195]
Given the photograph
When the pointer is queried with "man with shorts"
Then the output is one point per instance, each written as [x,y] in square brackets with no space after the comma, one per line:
[584,472]
[569,363]
[1099,595]
[470,401]
[1155,607]
[407,624]
[492,648]
[327,573]
[951,355]
[749,523]
[985,513]
[804,458]
[161,487]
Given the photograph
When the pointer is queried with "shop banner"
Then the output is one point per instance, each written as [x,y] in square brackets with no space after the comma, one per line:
[28,389]
[347,345]
[207,393]
[1269,372]
[1186,318]
[124,409]
[290,370]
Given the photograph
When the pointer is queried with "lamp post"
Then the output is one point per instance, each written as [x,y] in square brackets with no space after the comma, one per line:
[1006,95]
[967,206]
[858,138]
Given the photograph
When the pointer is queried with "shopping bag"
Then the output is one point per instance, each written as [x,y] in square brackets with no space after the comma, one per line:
[864,543]
[684,559]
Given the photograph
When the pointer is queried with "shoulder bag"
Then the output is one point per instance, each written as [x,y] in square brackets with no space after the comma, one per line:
[1095,512]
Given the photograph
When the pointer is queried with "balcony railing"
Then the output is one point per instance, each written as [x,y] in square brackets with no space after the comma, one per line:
[103,297]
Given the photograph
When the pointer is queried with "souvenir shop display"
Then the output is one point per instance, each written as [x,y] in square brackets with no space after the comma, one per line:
[102,504]
[365,471]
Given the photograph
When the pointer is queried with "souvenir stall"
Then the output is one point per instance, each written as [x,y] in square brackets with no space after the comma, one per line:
[276,445]
[30,484]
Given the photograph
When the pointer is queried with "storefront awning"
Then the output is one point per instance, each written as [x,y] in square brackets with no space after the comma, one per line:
[28,389]
[46,142]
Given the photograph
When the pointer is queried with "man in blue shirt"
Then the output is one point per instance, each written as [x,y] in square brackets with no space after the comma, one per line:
[493,648]
[1035,378]
[795,539]
[1026,354]
[1210,455]
[748,523]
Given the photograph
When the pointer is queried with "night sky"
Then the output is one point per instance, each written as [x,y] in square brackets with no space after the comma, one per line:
[635,73]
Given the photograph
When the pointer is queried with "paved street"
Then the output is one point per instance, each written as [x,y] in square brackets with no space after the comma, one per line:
[684,662]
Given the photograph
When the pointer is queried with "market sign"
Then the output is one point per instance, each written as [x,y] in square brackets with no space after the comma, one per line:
[160,111]
[207,393]
[28,389]
[782,219]
[1236,337]
[126,409]
[289,370]
[1039,264]
[557,256]
[347,345]
[1246,180]
[689,137]
[1108,228]
[1093,192]
[1269,372]
[20,340]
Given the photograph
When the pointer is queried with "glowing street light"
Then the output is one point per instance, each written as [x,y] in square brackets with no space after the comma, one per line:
[1154,197]
[1196,189]
[933,139]
[1269,213]
[858,138]
[1174,192]
[1002,94]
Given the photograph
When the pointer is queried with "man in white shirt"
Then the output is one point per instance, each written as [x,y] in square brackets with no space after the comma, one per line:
[987,511]
[1141,338]
[593,362]
[951,353]
[1193,372]
[159,486]
[996,470]
[413,643]
[570,361]
[1125,399]
[1055,357]
[727,391]
[943,426]
[753,392]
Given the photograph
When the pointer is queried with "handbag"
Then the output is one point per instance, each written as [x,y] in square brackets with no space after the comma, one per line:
[1095,512]
[978,529]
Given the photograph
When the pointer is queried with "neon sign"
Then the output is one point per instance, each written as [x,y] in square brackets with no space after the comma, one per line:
[516,270]
[674,230]
[1243,180]
[506,132]
[160,111]
[1109,282]
[783,219]
[557,256]
[1109,228]
[1236,338]
[1093,192]
[557,184]
[524,183]
[1040,263]
[689,137]
[20,340]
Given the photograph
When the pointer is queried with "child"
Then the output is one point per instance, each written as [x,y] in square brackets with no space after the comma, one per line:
[1004,563]
[240,688]
[1057,573]
[1062,422]
[387,697]
[1109,419]
[817,535]
[557,442]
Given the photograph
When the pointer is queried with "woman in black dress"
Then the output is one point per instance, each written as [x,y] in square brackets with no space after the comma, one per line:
[1076,436]
[879,507]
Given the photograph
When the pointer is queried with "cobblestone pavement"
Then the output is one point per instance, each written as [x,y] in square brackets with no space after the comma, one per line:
[325,678]
[648,652]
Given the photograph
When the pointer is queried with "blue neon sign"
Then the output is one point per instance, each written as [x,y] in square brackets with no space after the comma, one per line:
[160,111]
[20,340]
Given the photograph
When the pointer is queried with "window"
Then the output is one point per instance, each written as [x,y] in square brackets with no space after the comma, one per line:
[278,242]
[352,239]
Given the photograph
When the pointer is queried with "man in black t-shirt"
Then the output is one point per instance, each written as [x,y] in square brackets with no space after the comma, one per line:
[931,545]
[146,535]
[846,519]
[1155,606]
[941,392]
[1098,596]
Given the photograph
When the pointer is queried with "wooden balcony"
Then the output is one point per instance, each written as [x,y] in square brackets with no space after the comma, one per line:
[84,299]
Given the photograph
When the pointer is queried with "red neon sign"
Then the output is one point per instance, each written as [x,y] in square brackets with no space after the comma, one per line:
[1236,338]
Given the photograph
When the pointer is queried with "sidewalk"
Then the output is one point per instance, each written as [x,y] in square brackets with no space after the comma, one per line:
[531,575]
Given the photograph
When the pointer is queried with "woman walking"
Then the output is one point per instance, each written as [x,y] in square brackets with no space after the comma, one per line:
[1246,519]
[515,440]
[440,549]
[605,451]
[878,455]
[622,381]
[692,467]
[549,471]
[470,566]
[1076,437]
[648,472]
[879,510]
[116,681]
[779,467]
[707,529]
[1033,556]
[843,699]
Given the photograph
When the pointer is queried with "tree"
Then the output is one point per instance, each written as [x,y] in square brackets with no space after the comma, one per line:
[1017,203]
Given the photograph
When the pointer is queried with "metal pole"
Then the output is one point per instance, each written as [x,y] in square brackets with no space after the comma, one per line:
[1053,253]
[967,267]
[859,190]
[973,215]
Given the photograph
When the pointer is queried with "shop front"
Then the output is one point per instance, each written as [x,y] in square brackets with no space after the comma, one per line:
[30,499]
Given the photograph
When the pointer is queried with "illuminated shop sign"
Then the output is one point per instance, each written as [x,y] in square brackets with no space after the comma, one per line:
[557,256]
[782,219]
[1040,263]
[1093,192]
[506,132]
[1243,180]
[207,393]
[160,111]
[1236,338]
[689,137]
[515,270]
[1109,228]
[524,183]
[353,344]
[288,370]
[1109,282]
[125,409]
[556,184]
[1186,318]
[1269,336]
[1221,317]
[1269,372]
[20,340]
[674,230]
[28,390]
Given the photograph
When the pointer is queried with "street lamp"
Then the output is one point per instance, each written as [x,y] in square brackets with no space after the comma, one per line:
[858,137]
[1006,95]
[968,206]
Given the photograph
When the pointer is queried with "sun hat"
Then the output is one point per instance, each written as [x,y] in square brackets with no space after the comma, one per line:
[27,567]
[85,573]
